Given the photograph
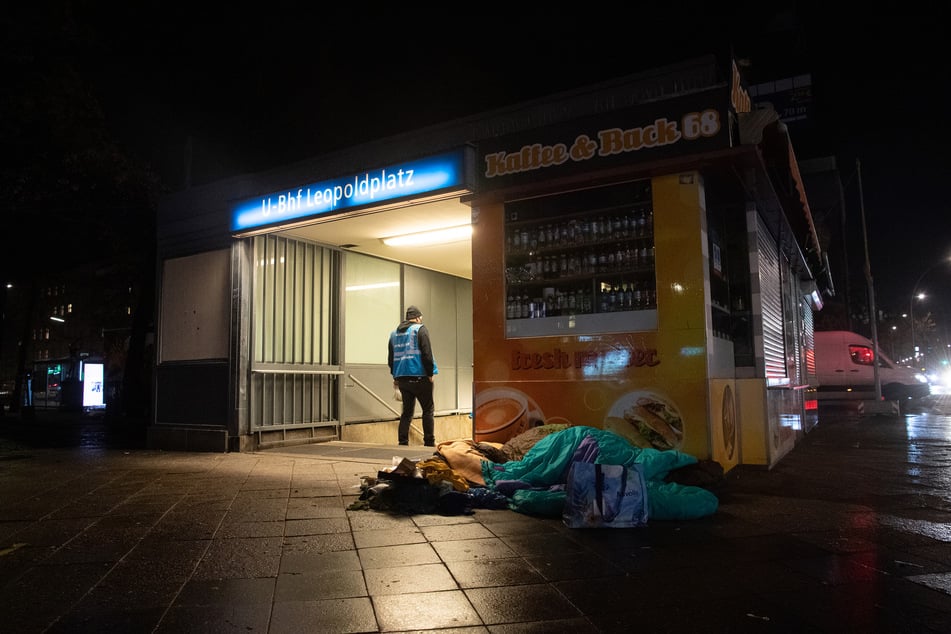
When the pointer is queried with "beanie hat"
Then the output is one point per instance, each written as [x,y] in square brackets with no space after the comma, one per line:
[412,313]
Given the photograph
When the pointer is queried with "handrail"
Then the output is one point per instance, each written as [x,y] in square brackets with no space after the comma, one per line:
[382,402]
[279,371]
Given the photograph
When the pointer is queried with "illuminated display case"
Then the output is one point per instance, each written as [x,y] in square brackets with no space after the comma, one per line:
[581,263]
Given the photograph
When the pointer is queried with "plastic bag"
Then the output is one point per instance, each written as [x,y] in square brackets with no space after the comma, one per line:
[605,496]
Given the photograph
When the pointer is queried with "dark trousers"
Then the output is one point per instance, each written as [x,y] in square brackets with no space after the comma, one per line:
[414,389]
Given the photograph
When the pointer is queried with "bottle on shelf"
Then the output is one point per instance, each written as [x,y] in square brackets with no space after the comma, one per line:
[603,300]
[554,260]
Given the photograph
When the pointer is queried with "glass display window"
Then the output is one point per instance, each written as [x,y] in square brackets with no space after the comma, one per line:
[581,262]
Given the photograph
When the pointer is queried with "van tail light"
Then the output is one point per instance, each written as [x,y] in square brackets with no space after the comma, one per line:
[862,355]
[811,404]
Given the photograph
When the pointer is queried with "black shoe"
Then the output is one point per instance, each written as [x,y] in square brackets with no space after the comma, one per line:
[429,444]
[404,443]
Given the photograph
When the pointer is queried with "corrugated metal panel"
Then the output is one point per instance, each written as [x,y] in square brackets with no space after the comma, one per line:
[771,298]
[295,377]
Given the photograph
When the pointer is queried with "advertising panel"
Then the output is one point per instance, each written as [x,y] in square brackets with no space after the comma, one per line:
[93,385]
[724,422]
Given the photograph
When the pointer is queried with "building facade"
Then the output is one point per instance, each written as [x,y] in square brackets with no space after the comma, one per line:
[641,258]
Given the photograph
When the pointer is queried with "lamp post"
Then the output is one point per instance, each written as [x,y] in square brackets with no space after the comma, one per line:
[871,286]
[911,314]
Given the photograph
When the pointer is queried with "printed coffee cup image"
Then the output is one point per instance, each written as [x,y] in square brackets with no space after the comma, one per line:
[502,413]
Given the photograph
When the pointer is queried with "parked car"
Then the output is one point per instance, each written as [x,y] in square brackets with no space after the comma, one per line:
[845,371]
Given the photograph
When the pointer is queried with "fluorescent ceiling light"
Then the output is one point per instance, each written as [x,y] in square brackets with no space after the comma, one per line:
[435,236]
[59,319]
[372,287]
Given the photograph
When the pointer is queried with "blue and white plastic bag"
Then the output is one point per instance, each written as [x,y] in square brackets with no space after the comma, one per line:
[605,496]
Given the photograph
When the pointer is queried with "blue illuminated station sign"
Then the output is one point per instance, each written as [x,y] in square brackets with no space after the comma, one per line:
[403,180]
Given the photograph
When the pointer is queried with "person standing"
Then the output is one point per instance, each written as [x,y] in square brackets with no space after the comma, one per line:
[412,365]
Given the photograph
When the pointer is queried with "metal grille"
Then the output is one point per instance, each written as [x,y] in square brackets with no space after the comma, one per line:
[295,372]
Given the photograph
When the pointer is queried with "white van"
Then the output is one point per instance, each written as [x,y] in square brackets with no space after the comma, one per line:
[844,371]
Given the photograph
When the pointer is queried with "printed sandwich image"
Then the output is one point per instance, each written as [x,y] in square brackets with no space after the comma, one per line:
[646,420]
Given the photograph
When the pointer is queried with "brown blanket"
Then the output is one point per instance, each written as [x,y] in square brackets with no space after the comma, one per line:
[465,457]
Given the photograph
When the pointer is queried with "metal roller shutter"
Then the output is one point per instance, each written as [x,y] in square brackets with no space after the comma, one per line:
[774,350]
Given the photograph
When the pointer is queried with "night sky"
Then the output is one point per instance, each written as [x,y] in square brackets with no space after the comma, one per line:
[250,88]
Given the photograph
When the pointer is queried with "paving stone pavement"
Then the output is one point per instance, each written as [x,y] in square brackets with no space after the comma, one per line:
[850,532]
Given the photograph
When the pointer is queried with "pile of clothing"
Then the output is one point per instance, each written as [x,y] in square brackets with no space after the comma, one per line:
[528,473]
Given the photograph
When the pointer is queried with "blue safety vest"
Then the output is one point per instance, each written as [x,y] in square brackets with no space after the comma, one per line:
[406,357]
